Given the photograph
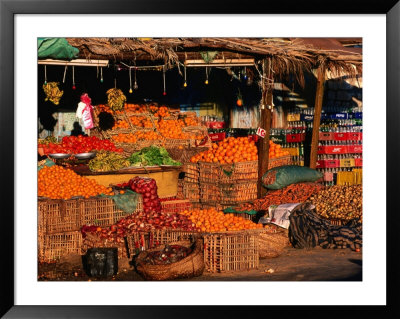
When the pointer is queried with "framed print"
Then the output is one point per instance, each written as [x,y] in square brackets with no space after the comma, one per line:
[198,159]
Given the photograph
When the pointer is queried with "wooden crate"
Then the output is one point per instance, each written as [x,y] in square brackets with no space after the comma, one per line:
[231,251]
[55,216]
[279,161]
[225,173]
[191,191]
[57,245]
[233,193]
[175,206]
[209,192]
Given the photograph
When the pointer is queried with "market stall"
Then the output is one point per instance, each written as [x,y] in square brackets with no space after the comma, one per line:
[165,187]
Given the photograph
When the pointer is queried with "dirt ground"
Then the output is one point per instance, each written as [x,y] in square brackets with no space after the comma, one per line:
[315,264]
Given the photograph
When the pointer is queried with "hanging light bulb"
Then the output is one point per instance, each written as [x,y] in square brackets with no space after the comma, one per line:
[184,71]
[73,78]
[45,74]
[206,81]
[165,92]
[135,86]
[101,75]
[130,81]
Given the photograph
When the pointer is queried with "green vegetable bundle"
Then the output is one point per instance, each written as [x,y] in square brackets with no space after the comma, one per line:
[106,161]
[153,155]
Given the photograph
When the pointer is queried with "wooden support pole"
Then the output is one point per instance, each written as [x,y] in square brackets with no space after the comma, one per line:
[265,123]
[317,115]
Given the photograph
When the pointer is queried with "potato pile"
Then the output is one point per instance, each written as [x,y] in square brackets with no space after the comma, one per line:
[339,202]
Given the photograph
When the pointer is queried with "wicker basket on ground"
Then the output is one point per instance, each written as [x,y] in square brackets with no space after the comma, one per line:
[188,267]
[272,244]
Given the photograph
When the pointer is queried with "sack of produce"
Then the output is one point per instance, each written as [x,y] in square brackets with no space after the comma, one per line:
[172,261]
[282,176]
[308,230]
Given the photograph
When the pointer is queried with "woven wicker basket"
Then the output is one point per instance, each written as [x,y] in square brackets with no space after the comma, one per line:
[272,244]
[231,251]
[232,193]
[191,191]
[225,173]
[55,216]
[280,161]
[175,206]
[190,266]
[57,245]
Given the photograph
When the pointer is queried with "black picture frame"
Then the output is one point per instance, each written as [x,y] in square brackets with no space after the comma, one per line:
[8,10]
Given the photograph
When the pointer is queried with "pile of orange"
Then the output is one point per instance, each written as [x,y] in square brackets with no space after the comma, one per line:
[121,124]
[230,150]
[162,111]
[141,121]
[137,136]
[190,121]
[171,129]
[276,151]
[124,138]
[103,108]
[148,136]
[213,220]
[135,108]
[57,182]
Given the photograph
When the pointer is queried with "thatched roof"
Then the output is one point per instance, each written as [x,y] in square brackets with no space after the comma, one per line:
[288,56]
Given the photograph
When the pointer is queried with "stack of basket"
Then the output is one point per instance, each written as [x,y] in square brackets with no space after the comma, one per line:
[228,184]
[190,183]
[60,221]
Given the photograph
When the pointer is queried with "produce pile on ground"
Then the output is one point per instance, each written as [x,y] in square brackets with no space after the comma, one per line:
[140,222]
[79,144]
[339,202]
[230,150]
[106,161]
[168,255]
[148,188]
[153,155]
[294,193]
[212,220]
[276,151]
[56,182]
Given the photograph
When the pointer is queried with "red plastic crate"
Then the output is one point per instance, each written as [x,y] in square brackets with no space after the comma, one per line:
[358,162]
[326,136]
[354,136]
[295,138]
[354,149]
[341,136]
[328,163]
[217,136]
[215,124]
[332,149]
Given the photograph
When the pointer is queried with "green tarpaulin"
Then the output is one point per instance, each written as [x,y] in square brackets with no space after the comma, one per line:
[56,48]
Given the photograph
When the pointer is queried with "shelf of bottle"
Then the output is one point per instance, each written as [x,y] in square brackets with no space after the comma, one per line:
[336,163]
[340,149]
[345,136]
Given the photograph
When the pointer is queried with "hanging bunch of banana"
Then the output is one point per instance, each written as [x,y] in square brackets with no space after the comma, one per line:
[52,91]
[116,99]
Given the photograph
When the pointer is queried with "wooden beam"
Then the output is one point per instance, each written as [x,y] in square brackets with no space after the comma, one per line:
[265,123]
[319,96]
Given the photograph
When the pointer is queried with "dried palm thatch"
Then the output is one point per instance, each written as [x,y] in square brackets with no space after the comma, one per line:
[289,56]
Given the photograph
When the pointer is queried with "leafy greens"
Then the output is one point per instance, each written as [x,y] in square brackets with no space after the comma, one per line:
[152,155]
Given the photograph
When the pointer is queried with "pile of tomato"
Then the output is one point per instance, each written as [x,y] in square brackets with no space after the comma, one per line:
[79,144]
